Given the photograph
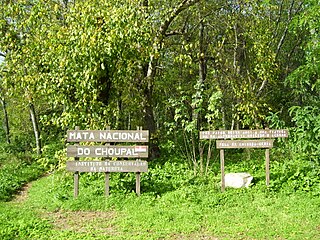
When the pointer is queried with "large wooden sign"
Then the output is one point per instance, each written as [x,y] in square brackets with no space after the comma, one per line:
[107,151]
[107,166]
[263,141]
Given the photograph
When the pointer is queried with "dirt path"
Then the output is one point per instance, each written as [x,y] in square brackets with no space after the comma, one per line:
[22,194]
[91,222]
[83,221]
[77,221]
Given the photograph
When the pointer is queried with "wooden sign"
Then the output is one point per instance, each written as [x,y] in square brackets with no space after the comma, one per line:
[107,166]
[107,136]
[107,151]
[244,144]
[231,134]
[234,134]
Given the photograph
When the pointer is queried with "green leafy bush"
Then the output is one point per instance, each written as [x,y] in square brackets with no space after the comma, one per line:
[296,175]
[305,135]
[18,168]
[14,175]
[21,223]
[20,143]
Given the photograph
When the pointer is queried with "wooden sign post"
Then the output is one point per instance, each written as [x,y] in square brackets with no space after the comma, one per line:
[107,151]
[266,143]
[76,176]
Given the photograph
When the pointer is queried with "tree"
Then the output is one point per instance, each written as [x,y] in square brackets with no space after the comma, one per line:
[4,103]
[172,66]
[5,116]
[304,82]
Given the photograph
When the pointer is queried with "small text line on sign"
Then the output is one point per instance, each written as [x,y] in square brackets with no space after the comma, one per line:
[230,134]
[107,166]
[107,151]
[107,136]
[222,144]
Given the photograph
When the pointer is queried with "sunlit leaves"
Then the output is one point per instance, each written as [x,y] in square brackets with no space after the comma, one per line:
[305,79]
[88,61]
[76,58]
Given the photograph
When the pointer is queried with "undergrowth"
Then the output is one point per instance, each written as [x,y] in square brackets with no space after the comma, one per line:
[15,172]
[18,168]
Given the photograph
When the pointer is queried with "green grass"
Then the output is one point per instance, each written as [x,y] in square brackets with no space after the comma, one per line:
[173,205]
[189,212]
[21,222]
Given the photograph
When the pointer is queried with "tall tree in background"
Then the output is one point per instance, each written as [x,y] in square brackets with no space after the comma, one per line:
[5,116]
[304,84]
[4,102]
[174,67]
[14,31]
[160,34]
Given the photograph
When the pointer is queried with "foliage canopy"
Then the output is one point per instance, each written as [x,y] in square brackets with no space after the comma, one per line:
[174,67]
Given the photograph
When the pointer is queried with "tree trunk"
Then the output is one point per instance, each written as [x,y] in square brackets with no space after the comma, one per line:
[196,115]
[5,120]
[150,122]
[35,125]
[149,119]
[201,79]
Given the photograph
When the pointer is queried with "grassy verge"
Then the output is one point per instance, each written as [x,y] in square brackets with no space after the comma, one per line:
[198,212]
[174,205]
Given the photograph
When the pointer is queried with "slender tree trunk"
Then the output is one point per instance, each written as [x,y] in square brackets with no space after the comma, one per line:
[200,83]
[120,122]
[5,120]
[150,122]
[208,157]
[35,125]
[202,77]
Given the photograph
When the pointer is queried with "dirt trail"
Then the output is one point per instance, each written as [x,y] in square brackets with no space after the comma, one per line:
[22,194]
[92,222]
[77,221]
[83,221]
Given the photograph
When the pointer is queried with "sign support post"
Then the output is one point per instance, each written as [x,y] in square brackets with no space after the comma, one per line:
[267,167]
[76,183]
[107,174]
[138,183]
[138,173]
[107,183]
[222,169]
[76,176]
